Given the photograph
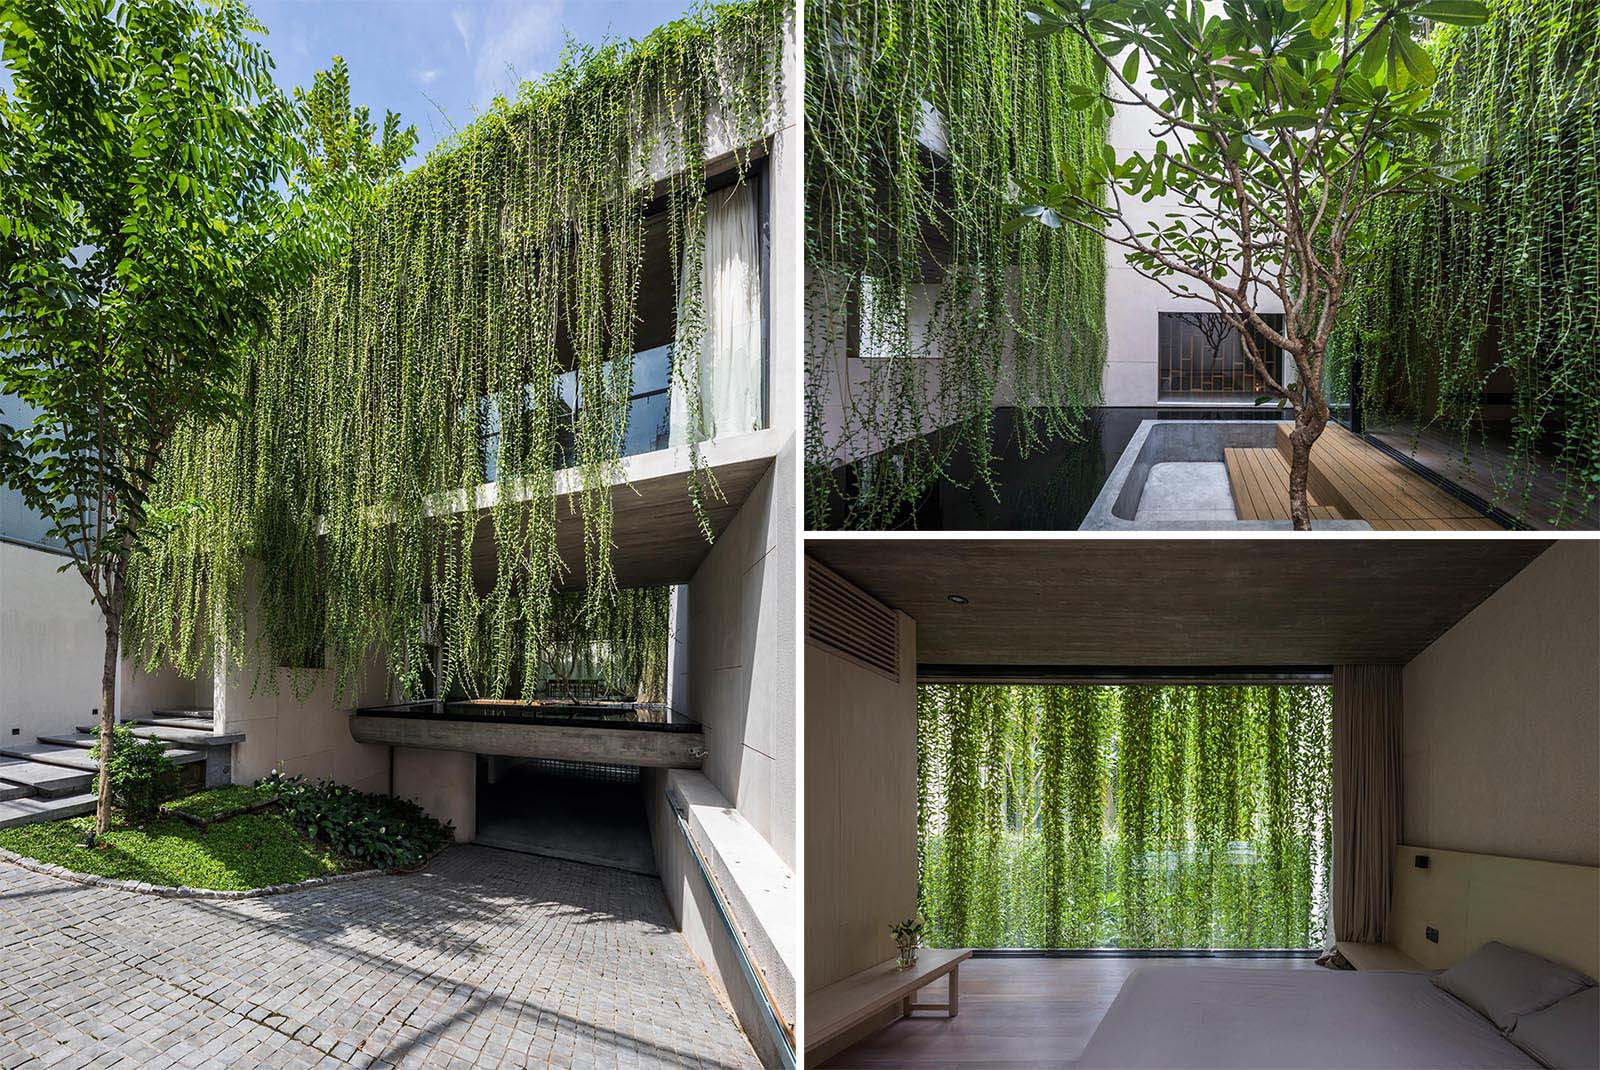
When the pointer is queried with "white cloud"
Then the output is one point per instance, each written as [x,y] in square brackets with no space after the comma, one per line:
[464,18]
[518,40]
[429,76]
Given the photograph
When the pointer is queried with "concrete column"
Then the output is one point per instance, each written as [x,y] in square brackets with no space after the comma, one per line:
[442,782]
[678,652]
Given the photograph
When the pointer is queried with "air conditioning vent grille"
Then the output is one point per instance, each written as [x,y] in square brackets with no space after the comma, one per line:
[849,622]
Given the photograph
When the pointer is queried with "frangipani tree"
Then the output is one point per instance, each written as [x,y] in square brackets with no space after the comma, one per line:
[1278,124]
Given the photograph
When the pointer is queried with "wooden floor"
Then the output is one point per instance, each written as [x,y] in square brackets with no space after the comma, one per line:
[1032,1013]
[1524,487]
[1349,479]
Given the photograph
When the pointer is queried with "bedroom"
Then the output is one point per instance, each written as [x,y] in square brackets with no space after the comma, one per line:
[1128,793]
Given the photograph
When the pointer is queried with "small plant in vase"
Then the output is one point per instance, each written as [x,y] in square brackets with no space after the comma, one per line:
[907,936]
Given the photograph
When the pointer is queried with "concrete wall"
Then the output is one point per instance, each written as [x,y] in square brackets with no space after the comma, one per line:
[861,809]
[1502,719]
[52,645]
[293,723]
[757,886]
[742,611]
[442,782]
[741,657]
[733,655]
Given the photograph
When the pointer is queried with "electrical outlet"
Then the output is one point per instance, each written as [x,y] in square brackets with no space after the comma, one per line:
[1433,934]
[1420,861]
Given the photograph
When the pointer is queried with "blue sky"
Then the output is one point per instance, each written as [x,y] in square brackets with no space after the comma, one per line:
[438,63]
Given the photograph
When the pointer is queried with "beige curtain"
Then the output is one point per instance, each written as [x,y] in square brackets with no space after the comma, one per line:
[728,361]
[1366,798]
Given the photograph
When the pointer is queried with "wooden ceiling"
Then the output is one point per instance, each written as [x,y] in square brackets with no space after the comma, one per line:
[1181,602]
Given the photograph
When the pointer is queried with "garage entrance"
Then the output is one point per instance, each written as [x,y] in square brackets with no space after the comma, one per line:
[582,811]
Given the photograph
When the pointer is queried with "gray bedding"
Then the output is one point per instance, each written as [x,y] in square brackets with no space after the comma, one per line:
[1216,1016]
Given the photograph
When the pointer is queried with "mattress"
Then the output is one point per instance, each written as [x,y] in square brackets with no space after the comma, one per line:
[1216,1016]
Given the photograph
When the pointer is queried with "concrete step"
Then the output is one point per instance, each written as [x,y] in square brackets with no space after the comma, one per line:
[194,724]
[51,781]
[53,754]
[83,741]
[187,713]
[27,811]
[183,737]
[9,791]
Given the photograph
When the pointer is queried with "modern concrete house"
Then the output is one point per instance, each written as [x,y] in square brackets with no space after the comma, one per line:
[700,790]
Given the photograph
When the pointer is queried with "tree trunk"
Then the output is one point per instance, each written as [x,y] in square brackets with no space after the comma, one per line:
[108,718]
[1309,421]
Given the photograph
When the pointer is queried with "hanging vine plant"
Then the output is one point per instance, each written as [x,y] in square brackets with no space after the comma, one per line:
[924,309]
[1085,816]
[513,255]
[1455,301]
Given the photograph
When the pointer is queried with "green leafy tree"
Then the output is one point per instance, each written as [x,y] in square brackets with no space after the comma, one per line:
[157,191]
[1279,124]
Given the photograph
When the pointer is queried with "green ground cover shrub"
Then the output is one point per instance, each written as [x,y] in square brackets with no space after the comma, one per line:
[142,776]
[240,853]
[377,830]
[208,807]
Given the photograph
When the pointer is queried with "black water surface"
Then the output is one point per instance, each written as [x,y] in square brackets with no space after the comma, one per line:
[1050,489]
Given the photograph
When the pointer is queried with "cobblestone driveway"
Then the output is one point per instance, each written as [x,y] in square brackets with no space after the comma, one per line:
[488,959]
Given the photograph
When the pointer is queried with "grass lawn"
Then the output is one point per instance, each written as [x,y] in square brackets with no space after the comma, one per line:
[243,852]
[224,802]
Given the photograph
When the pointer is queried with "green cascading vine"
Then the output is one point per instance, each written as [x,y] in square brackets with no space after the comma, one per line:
[1451,303]
[1018,315]
[512,255]
[1143,816]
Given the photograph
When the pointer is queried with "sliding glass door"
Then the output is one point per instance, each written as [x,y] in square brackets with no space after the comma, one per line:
[1086,816]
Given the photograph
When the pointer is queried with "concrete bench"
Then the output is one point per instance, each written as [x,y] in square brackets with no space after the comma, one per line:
[845,1004]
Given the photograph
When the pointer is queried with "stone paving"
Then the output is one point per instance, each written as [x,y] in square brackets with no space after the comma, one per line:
[486,959]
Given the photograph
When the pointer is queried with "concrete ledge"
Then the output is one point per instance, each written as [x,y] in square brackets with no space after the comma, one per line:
[1159,441]
[612,746]
[759,889]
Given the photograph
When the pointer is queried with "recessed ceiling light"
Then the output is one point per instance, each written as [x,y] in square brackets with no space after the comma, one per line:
[958,599]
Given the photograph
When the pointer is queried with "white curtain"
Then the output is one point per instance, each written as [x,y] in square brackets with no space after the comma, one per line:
[728,362]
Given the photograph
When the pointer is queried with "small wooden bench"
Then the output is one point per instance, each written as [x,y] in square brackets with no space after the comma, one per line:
[845,1004]
[1260,482]
[1378,957]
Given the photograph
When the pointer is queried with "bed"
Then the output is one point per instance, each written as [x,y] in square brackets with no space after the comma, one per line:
[1219,1016]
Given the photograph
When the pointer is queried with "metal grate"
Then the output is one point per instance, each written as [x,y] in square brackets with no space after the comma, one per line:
[614,774]
[851,623]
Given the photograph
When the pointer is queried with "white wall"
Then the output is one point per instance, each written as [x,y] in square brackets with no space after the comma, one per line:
[52,646]
[1133,301]
[1502,719]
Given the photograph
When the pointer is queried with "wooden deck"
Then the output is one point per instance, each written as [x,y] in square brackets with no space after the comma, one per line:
[1349,480]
